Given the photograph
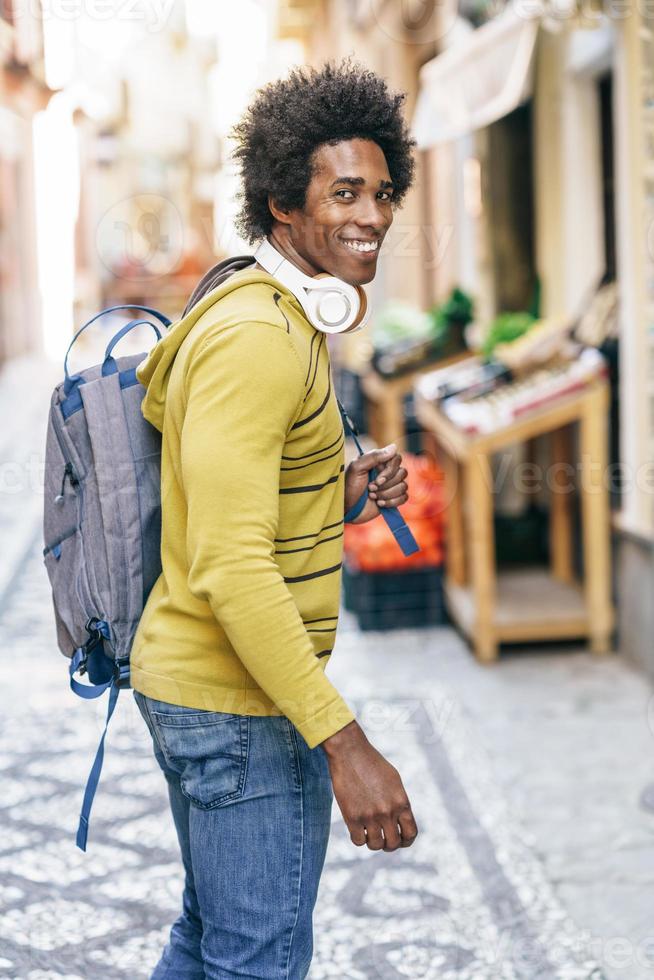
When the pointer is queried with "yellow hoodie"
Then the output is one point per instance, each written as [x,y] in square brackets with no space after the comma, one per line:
[243,616]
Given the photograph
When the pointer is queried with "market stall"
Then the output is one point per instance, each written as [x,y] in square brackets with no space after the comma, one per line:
[465,426]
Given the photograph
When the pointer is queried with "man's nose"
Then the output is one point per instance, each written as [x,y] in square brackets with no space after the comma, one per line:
[371,214]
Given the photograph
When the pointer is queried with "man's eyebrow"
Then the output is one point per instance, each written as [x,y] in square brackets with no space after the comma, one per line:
[359,180]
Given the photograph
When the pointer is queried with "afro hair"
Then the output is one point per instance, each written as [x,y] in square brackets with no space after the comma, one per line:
[291,117]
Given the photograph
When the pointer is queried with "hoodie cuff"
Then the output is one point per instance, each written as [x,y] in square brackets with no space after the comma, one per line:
[326,722]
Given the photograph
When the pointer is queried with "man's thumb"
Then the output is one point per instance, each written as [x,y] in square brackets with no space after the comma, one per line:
[379,456]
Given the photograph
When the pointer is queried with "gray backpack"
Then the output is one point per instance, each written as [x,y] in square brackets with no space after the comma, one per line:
[101,521]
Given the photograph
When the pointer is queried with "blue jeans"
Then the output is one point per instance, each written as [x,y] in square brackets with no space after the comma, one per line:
[251,805]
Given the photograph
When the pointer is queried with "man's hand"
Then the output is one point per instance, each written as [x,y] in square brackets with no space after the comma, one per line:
[369,792]
[388,490]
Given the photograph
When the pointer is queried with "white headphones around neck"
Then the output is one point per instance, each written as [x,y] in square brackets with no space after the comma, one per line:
[330,304]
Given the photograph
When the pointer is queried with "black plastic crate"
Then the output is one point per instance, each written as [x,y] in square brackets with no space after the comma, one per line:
[522,539]
[394,600]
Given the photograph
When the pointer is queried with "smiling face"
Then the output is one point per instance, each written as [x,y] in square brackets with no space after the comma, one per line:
[346,215]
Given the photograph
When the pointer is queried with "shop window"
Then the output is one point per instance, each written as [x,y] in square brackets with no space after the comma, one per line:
[509,191]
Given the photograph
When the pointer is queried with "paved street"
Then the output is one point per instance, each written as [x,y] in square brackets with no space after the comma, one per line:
[535,857]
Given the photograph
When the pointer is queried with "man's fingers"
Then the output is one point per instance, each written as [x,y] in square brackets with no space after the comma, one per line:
[398,476]
[387,835]
[374,838]
[388,473]
[394,486]
[408,826]
[357,834]
[392,836]
[392,501]
[376,459]
[391,496]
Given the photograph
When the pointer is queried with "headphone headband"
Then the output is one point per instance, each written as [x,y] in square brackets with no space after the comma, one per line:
[330,304]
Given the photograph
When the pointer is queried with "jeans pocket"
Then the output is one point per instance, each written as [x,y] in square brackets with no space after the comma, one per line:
[207,749]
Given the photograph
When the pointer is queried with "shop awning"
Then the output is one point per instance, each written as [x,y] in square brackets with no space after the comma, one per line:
[479,79]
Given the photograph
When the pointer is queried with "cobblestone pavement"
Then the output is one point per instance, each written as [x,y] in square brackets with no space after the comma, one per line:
[524,779]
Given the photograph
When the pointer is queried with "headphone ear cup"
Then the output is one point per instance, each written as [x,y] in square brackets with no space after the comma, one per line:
[361,296]
[363,308]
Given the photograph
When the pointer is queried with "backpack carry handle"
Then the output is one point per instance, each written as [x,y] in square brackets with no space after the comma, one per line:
[109,365]
[68,380]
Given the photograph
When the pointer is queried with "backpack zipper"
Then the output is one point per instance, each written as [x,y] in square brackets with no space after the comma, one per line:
[69,471]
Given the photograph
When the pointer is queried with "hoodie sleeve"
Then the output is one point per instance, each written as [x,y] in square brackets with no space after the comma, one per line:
[244,387]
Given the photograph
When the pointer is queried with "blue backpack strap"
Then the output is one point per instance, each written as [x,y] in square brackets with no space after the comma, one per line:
[86,691]
[94,775]
[356,508]
[69,380]
[91,659]
[398,526]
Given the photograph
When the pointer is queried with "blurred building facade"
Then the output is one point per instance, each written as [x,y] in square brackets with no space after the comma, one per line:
[23,93]
[116,183]
[153,165]
[107,166]
[535,128]
[147,164]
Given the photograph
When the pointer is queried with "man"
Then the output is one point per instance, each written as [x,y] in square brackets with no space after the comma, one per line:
[228,662]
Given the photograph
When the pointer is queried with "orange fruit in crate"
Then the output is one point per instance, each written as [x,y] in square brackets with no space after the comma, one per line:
[371,547]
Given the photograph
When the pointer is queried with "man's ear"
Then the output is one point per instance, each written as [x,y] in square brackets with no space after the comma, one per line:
[281,214]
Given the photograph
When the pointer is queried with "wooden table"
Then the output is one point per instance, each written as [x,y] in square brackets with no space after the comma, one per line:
[527,604]
[385,399]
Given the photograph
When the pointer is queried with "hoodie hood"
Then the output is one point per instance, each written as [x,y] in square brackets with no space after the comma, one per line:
[154,370]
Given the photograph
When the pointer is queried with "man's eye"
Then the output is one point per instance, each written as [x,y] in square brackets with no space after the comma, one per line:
[388,194]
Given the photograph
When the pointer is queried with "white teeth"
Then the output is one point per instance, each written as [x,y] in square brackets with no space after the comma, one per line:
[362,246]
